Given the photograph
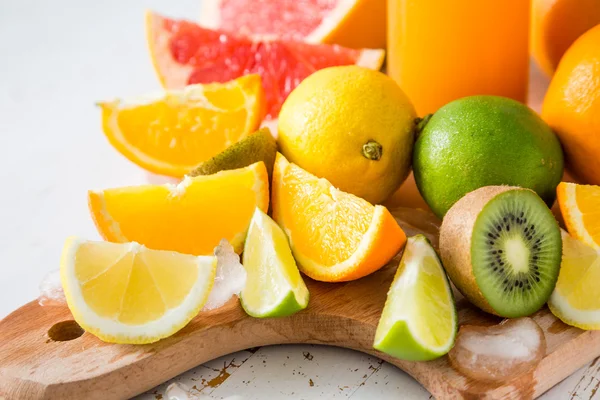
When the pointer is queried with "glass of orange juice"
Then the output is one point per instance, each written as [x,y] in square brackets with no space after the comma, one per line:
[441,50]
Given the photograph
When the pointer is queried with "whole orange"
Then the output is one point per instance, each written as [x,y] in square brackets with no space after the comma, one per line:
[572,106]
[556,24]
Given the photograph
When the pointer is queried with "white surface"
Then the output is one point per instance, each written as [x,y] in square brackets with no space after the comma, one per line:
[58,58]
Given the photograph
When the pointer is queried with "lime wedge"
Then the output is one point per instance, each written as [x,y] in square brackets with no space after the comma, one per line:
[419,321]
[274,287]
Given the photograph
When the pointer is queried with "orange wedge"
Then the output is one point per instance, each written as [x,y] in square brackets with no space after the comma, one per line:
[172,132]
[580,208]
[191,217]
[335,236]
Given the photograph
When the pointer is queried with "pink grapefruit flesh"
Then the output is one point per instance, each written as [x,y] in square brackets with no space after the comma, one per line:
[294,20]
[185,53]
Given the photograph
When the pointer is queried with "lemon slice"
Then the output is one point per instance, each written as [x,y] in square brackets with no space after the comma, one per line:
[576,297]
[274,287]
[126,293]
[418,321]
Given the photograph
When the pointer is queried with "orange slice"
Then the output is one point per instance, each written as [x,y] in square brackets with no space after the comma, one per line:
[171,133]
[335,236]
[555,25]
[580,208]
[191,217]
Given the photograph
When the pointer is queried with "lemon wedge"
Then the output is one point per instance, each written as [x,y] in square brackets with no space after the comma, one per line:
[576,297]
[126,293]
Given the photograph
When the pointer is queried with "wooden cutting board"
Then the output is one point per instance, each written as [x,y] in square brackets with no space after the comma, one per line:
[34,366]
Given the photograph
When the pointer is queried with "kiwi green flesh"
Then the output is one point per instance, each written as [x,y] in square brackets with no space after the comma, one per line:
[516,251]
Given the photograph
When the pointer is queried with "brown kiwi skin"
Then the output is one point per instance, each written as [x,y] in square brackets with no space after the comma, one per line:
[260,146]
[455,241]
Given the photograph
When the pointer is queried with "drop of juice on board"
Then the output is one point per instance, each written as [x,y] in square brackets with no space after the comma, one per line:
[414,221]
[51,291]
[498,352]
[230,278]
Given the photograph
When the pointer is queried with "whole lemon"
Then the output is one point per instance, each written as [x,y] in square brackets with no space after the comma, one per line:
[352,126]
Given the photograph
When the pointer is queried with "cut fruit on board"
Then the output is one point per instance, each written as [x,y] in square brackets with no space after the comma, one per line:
[126,293]
[191,217]
[171,133]
[334,236]
[579,205]
[350,23]
[184,53]
[230,279]
[576,297]
[274,287]
[418,321]
[344,315]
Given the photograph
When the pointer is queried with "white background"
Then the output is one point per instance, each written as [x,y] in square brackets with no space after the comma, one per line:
[57,59]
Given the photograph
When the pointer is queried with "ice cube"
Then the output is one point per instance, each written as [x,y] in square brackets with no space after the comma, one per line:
[51,291]
[230,278]
[229,281]
[498,352]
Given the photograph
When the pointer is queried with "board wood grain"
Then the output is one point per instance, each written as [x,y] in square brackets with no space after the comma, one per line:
[33,366]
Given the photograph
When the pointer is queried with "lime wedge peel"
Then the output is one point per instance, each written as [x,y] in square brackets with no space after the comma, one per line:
[419,320]
[274,287]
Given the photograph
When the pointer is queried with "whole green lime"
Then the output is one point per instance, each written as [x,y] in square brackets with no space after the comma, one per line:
[481,141]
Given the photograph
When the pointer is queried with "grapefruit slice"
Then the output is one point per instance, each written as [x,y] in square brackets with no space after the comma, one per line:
[184,53]
[350,23]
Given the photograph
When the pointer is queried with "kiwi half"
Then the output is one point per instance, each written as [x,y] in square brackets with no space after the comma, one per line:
[502,248]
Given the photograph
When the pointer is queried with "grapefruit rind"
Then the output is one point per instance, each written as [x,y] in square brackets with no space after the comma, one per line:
[332,21]
[371,58]
[171,74]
